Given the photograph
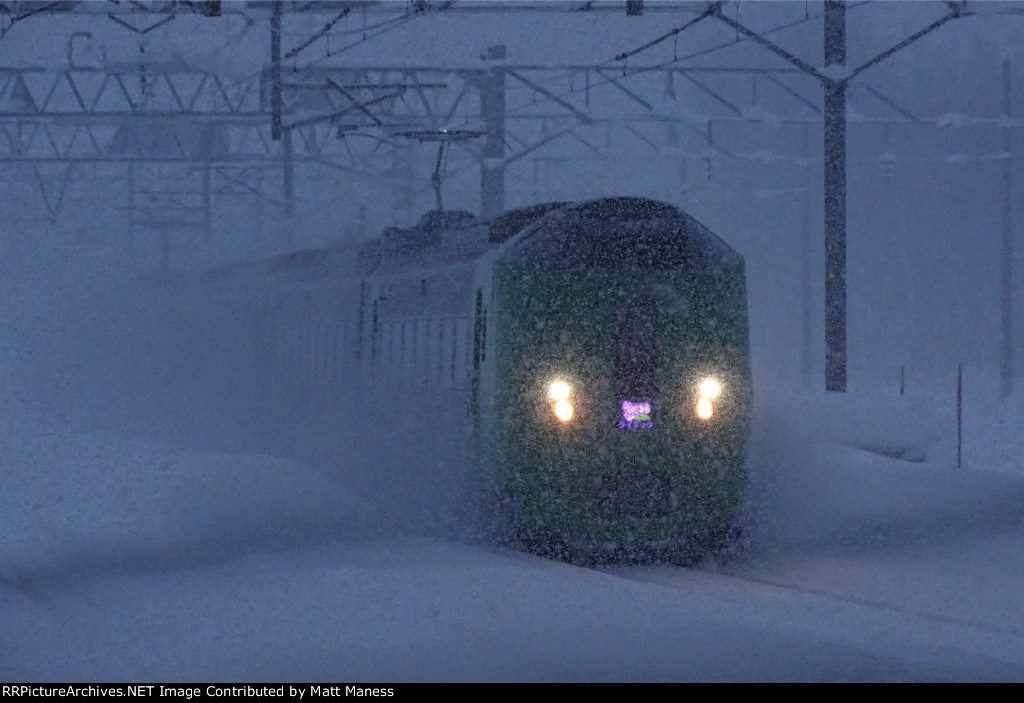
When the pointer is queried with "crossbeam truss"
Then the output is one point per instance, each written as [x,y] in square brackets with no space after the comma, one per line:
[342,119]
[202,136]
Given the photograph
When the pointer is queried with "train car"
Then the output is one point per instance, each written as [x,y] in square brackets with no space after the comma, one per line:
[597,352]
[611,381]
[414,314]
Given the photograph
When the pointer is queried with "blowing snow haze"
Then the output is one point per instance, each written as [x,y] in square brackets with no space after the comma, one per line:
[191,487]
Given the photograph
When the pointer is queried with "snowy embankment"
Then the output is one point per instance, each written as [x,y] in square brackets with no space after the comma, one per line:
[838,470]
[844,471]
[75,504]
[124,560]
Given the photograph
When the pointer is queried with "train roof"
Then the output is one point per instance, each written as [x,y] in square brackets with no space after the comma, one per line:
[622,233]
[326,259]
[510,223]
[446,237]
[439,238]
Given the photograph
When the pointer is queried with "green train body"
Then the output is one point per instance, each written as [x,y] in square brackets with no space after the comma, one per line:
[457,329]
[632,304]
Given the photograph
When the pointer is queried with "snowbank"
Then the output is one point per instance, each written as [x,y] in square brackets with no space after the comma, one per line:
[73,503]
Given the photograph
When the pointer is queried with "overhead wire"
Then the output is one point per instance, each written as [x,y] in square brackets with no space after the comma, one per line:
[676,58]
[387,26]
[325,30]
[613,63]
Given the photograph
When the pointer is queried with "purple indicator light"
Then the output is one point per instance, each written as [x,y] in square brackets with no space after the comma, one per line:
[635,411]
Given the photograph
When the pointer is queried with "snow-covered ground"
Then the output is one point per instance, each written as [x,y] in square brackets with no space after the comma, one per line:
[156,524]
[137,560]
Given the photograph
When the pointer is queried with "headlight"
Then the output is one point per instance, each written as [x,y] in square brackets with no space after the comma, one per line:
[705,409]
[563,410]
[561,406]
[708,390]
[559,390]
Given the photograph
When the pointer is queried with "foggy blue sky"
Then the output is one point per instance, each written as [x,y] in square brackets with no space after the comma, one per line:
[925,194]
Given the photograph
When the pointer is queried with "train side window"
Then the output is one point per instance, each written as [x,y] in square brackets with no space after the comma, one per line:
[479,325]
[483,335]
[477,332]
[374,333]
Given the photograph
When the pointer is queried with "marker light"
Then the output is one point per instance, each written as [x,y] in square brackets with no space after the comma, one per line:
[636,411]
[705,409]
[563,410]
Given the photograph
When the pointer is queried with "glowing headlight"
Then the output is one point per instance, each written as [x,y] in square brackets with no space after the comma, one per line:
[705,409]
[710,388]
[558,393]
[559,390]
[563,410]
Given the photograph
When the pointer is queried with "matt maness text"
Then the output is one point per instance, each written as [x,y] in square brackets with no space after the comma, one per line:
[190,692]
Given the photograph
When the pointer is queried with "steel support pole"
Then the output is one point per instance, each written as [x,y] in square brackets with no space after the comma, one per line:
[835,200]
[492,171]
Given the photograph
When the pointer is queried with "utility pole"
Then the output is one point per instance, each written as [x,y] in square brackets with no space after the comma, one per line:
[207,209]
[807,235]
[277,131]
[834,79]
[835,199]
[275,73]
[492,108]
[1006,253]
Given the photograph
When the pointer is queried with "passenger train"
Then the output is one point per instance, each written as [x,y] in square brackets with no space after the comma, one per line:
[598,350]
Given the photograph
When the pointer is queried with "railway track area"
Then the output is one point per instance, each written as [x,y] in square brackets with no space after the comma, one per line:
[906,619]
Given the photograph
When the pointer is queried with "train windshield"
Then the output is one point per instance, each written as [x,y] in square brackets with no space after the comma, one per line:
[635,357]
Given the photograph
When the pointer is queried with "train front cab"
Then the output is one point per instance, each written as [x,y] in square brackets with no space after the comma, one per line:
[615,371]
